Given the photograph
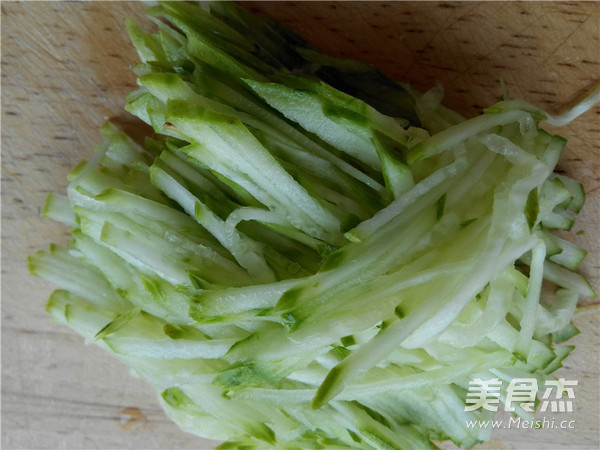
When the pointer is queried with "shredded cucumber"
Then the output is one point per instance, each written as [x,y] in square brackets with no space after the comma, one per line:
[294,266]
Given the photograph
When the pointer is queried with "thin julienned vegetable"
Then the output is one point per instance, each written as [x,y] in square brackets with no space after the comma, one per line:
[306,254]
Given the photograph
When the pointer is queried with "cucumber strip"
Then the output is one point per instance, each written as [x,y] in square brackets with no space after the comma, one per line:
[463,334]
[305,108]
[575,188]
[459,133]
[558,315]
[275,126]
[231,301]
[79,314]
[247,253]
[233,148]
[75,275]
[167,348]
[421,194]
[536,275]
[59,208]
[565,253]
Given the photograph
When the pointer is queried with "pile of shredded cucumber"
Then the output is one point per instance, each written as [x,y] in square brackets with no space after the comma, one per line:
[305,254]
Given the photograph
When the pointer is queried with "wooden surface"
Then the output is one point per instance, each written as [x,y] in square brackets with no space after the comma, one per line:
[65,69]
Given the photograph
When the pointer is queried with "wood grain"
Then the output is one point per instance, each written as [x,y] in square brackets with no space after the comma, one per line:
[65,69]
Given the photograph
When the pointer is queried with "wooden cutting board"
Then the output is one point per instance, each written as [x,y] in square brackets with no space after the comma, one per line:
[65,69]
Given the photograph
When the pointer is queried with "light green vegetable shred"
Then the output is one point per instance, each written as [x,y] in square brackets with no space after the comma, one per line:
[307,255]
